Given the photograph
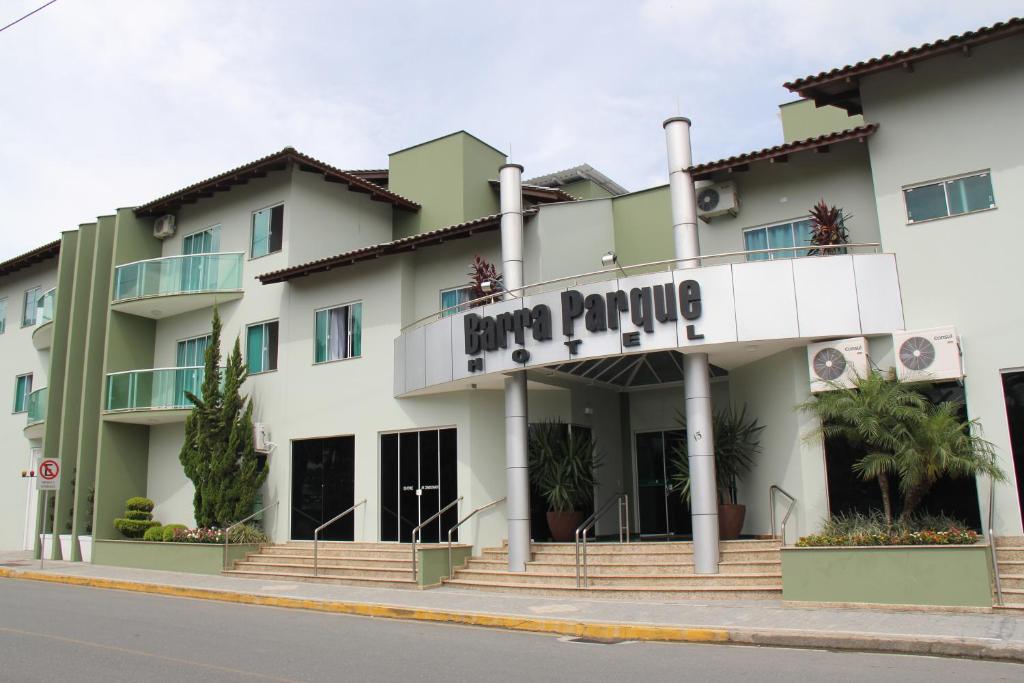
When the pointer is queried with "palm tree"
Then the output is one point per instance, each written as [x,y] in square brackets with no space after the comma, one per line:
[875,414]
[941,444]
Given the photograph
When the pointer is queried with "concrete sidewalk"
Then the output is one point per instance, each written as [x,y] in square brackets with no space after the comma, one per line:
[995,635]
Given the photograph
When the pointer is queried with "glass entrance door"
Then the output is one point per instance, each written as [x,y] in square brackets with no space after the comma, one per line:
[323,485]
[1013,394]
[417,479]
[661,511]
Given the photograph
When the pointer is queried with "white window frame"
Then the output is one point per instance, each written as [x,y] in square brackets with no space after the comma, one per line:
[208,335]
[264,323]
[24,306]
[945,193]
[773,255]
[14,407]
[461,307]
[252,231]
[3,314]
[211,228]
[348,341]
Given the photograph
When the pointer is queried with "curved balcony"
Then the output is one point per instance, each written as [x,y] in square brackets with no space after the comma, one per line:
[42,336]
[35,422]
[151,397]
[165,287]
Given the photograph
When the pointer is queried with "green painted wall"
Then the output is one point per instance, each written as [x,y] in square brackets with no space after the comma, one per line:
[643,226]
[586,189]
[58,368]
[194,558]
[925,575]
[432,562]
[802,120]
[448,177]
[123,449]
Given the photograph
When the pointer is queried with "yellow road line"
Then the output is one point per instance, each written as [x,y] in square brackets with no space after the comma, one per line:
[563,627]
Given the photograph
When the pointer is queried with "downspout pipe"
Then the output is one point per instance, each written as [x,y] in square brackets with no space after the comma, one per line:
[510,179]
[696,366]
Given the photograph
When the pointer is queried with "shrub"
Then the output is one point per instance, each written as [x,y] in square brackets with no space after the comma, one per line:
[138,514]
[857,529]
[134,528]
[139,503]
[154,533]
[169,530]
[248,533]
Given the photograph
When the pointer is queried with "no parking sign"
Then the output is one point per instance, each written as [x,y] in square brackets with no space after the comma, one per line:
[48,477]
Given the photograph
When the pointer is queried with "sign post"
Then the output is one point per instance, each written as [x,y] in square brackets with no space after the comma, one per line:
[47,479]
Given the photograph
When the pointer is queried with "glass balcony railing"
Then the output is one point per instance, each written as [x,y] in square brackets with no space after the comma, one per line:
[36,407]
[159,389]
[45,306]
[190,274]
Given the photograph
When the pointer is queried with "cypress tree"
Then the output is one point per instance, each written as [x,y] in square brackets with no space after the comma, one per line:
[217,454]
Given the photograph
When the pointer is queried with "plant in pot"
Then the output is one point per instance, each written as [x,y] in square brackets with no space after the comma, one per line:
[828,229]
[737,445]
[562,465]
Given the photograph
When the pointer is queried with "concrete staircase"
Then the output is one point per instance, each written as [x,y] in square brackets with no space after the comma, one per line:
[749,570]
[1010,555]
[387,565]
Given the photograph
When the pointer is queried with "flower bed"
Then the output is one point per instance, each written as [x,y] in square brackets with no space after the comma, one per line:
[925,537]
[196,558]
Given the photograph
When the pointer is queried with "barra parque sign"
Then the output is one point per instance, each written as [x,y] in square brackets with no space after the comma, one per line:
[599,313]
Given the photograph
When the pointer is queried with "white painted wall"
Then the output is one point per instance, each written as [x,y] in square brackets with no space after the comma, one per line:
[17,357]
[950,116]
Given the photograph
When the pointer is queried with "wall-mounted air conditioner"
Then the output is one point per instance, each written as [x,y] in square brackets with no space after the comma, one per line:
[837,363]
[927,355]
[260,437]
[717,200]
[163,227]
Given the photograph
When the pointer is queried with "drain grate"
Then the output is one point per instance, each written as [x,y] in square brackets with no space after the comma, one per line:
[595,641]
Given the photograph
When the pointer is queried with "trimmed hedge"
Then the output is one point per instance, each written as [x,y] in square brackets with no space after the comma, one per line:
[154,533]
[134,528]
[137,514]
[139,503]
[168,532]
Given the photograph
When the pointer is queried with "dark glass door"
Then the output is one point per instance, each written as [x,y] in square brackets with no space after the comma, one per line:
[661,510]
[418,478]
[323,485]
[1013,394]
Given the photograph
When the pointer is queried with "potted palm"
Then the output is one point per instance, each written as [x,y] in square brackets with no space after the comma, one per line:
[562,466]
[828,229]
[737,445]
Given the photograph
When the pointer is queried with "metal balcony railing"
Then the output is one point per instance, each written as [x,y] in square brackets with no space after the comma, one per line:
[189,274]
[156,389]
[45,306]
[36,407]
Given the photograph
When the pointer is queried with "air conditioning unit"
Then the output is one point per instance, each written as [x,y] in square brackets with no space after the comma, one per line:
[717,200]
[837,363]
[163,227]
[927,355]
[260,437]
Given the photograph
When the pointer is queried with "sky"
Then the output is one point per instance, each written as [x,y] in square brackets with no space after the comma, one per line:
[112,103]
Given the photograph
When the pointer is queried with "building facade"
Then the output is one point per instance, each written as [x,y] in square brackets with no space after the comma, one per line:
[373,379]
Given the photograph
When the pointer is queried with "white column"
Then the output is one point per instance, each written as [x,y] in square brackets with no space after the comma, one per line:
[697,383]
[516,458]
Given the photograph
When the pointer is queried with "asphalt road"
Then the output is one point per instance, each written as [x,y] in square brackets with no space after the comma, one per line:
[52,632]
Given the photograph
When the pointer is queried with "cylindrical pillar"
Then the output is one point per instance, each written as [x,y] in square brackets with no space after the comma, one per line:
[517,472]
[700,438]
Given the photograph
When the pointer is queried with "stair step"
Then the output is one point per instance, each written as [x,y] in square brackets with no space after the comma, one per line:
[596,568]
[660,557]
[770,580]
[368,563]
[638,592]
[354,553]
[326,569]
[339,579]
[1009,554]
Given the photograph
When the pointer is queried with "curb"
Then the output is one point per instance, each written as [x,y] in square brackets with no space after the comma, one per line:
[944,646]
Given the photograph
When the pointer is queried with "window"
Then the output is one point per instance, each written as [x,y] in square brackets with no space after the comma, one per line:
[3,315]
[792,234]
[261,347]
[949,197]
[453,297]
[22,388]
[339,333]
[192,352]
[203,242]
[267,229]
[30,308]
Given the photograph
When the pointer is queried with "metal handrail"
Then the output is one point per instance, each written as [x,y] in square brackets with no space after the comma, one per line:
[418,530]
[316,535]
[992,540]
[227,532]
[622,503]
[490,298]
[463,521]
[771,501]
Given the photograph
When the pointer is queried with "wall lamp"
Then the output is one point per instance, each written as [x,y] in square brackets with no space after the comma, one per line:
[494,287]
[610,259]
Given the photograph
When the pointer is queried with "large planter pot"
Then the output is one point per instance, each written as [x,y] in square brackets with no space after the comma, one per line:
[65,547]
[563,525]
[85,546]
[730,520]
[956,575]
[46,541]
